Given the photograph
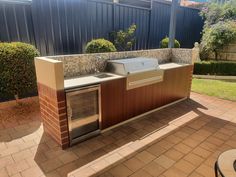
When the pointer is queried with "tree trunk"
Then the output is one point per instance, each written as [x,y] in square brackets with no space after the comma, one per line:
[16,98]
[216,55]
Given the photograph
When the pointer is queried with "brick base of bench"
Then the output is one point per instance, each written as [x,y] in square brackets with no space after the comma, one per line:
[53,112]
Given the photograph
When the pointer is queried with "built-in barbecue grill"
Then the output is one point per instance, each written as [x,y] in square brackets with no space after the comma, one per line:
[139,71]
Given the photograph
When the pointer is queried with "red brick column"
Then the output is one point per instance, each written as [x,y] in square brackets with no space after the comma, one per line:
[53,112]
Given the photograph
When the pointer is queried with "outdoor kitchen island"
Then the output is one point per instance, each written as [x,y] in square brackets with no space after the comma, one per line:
[119,104]
[88,104]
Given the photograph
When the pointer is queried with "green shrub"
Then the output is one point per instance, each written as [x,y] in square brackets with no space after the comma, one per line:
[213,12]
[217,36]
[164,43]
[221,68]
[124,39]
[17,71]
[100,46]
[219,26]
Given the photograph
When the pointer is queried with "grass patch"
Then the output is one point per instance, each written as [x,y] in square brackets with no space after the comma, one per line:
[217,88]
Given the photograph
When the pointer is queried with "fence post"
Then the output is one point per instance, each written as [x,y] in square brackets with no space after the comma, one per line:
[172,27]
[113,13]
[149,27]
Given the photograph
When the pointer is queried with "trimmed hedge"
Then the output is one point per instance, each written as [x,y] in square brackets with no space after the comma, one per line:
[221,68]
[100,46]
[17,71]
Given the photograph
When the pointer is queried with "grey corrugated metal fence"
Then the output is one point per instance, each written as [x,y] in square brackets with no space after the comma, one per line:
[188,27]
[16,22]
[65,26]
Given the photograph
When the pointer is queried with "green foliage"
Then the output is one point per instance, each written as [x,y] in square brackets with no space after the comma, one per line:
[17,76]
[124,40]
[219,26]
[221,68]
[217,36]
[164,43]
[214,12]
[100,46]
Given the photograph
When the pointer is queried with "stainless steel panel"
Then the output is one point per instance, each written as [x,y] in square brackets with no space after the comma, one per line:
[83,111]
[140,71]
[132,65]
[144,78]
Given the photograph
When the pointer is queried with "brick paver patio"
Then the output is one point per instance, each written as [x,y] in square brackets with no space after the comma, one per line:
[182,140]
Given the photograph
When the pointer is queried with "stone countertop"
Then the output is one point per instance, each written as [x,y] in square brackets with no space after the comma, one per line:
[83,81]
[172,65]
[89,80]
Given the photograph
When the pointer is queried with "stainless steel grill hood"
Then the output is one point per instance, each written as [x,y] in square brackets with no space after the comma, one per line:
[139,71]
[132,65]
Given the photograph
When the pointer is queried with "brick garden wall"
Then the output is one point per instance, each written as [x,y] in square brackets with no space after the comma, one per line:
[227,53]
[53,113]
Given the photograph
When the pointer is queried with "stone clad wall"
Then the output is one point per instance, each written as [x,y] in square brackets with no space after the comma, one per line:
[188,56]
[181,56]
[228,53]
[75,65]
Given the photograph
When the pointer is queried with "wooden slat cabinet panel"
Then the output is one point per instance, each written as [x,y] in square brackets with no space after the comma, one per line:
[176,83]
[142,99]
[112,102]
[119,104]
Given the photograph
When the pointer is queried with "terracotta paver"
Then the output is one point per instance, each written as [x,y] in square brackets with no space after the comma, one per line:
[164,161]
[134,164]
[145,157]
[185,166]
[154,169]
[181,140]
[120,171]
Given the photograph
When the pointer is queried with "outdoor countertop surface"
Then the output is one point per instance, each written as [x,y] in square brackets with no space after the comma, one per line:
[89,80]
[92,80]
[172,65]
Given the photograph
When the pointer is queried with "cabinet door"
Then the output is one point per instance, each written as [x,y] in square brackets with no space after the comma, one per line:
[112,99]
[176,84]
[142,99]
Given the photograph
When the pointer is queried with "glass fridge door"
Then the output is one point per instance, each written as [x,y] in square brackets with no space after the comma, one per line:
[83,110]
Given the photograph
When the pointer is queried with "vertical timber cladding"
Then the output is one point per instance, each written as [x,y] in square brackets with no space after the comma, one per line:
[119,104]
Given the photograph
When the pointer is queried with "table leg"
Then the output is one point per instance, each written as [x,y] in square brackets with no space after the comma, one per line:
[216,170]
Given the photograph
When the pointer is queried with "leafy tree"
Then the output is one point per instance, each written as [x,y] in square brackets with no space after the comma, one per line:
[214,12]
[219,26]
[124,39]
[217,36]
